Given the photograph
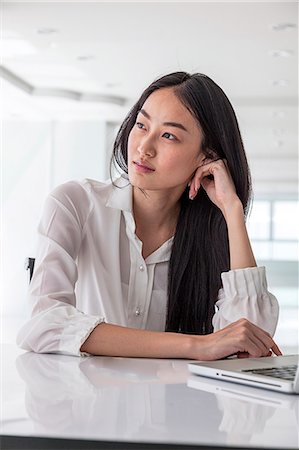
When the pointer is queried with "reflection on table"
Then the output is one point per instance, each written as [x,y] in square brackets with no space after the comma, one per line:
[145,400]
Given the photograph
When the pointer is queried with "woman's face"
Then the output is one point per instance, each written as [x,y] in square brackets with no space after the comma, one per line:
[164,144]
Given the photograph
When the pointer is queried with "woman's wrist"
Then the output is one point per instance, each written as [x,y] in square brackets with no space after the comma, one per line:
[233,211]
[241,254]
[199,347]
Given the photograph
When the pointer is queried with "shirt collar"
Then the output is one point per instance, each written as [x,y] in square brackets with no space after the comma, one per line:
[120,195]
[162,254]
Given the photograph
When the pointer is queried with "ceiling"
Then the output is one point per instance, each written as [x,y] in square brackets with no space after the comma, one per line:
[91,60]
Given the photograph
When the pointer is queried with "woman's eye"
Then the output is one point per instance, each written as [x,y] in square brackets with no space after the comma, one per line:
[170,136]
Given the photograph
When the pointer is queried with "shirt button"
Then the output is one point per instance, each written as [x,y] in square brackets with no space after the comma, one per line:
[137,312]
[141,268]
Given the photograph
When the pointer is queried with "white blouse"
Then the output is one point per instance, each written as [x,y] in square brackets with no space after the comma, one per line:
[89,269]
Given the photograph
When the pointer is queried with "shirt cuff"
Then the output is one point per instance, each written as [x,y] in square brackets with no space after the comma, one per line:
[243,282]
[245,295]
[76,333]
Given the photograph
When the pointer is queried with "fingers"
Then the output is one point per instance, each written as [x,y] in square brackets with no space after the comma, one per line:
[256,347]
[206,169]
[249,343]
[196,181]
[251,339]
[276,350]
[265,341]
[242,355]
[261,341]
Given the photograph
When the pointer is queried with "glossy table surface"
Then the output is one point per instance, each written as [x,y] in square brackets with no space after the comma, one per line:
[138,401]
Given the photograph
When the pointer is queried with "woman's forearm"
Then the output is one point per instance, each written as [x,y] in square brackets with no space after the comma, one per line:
[114,340]
[241,255]
[221,191]
[240,336]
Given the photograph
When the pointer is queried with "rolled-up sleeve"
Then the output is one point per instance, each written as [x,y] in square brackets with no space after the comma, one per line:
[56,325]
[245,294]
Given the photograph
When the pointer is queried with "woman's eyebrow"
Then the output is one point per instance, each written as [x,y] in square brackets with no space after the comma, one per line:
[169,124]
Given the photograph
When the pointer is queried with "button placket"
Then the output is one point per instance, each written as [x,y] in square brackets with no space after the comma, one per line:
[138,275]
[138,288]
[142,284]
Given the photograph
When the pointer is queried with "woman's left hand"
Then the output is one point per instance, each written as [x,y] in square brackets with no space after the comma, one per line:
[219,186]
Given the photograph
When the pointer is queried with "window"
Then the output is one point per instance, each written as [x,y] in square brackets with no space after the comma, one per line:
[273,227]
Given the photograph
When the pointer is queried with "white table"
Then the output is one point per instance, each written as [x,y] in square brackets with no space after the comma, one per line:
[99,400]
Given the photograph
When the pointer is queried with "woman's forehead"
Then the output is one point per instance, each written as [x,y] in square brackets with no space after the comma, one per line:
[163,104]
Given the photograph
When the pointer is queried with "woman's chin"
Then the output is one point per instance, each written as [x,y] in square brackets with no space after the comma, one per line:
[137,182]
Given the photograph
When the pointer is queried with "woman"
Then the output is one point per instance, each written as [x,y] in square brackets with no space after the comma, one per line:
[163,248]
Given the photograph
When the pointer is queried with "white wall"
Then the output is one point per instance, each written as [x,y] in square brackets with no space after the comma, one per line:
[37,156]
[78,151]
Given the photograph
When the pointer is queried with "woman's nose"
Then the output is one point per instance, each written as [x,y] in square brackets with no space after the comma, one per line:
[146,149]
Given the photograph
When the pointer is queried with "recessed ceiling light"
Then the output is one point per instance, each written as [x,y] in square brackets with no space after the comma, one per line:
[283,26]
[281,53]
[47,31]
[85,57]
[279,82]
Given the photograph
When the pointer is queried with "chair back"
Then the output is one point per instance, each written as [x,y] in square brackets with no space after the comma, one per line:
[29,265]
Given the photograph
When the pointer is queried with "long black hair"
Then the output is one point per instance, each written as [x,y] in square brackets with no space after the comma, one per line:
[200,250]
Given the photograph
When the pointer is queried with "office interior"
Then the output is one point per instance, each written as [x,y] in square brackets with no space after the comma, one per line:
[69,73]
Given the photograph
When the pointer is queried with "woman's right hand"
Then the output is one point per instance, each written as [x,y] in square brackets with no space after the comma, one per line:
[239,338]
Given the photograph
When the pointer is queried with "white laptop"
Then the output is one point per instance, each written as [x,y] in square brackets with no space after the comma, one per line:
[277,373]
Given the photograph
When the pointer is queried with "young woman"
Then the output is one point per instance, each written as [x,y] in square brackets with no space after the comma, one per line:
[162,248]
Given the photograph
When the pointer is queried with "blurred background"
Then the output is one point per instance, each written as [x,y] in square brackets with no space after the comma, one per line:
[69,73]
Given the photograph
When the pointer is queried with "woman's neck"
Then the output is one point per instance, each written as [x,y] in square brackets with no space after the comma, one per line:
[156,216]
[155,211]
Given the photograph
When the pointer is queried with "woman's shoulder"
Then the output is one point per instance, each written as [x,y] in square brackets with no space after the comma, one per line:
[77,197]
[80,189]
[86,194]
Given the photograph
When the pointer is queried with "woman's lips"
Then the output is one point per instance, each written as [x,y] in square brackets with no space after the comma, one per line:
[142,167]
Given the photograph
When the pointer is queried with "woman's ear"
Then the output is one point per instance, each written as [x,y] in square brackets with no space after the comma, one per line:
[201,159]
[210,155]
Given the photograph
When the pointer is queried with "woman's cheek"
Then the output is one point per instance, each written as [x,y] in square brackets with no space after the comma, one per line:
[130,146]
